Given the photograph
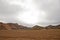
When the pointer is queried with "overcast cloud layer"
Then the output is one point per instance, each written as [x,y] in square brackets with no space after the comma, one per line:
[9,13]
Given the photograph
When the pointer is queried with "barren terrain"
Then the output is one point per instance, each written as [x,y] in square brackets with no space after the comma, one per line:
[43,34]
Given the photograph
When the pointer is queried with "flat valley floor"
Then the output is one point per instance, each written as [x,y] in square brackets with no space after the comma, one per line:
[43,34]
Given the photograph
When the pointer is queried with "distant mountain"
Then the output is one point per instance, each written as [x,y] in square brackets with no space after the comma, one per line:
[15,26]
[37,27]
[47,27]
[53,27]
[11,26]
[2,27]
[57,26]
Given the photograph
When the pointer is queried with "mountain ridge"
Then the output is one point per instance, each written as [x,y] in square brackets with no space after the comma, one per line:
[15,26]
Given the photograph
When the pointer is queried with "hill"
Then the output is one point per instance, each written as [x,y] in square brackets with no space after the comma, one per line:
[15,26]
[11,26]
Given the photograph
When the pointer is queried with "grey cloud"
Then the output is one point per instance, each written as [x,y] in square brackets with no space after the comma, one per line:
[51,7]
[8,10]
[8,13]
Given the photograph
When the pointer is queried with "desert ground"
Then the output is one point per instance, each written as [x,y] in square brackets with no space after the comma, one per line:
[43,34]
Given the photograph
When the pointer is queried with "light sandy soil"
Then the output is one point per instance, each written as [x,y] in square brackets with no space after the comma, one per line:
[44,34]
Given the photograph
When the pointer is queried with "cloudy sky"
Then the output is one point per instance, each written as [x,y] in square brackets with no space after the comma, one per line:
[30,12]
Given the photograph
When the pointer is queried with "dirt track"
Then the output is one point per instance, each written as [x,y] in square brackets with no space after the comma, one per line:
[49,34]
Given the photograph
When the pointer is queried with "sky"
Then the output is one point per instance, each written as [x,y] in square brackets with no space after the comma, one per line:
[30,12]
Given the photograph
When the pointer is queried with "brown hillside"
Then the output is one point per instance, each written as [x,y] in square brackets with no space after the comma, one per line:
[15,26]
[11,26]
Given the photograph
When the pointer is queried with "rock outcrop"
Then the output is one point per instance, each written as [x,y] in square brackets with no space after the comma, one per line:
[15,26]
[11,26]
[37,27]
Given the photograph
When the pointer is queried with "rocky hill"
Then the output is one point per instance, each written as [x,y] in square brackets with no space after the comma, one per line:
[47,27]
[11,26]
[15,26]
